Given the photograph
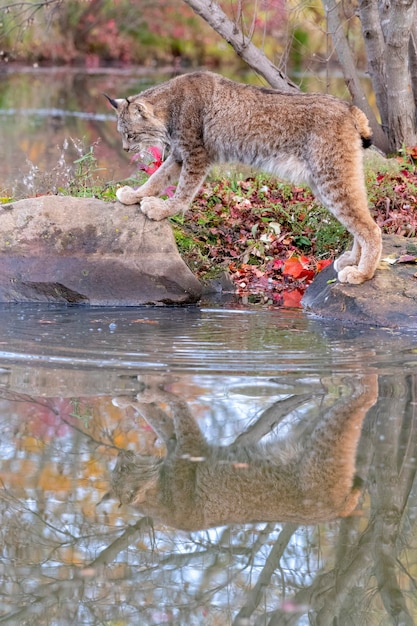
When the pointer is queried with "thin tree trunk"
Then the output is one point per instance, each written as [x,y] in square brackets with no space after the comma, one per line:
[413,60]
[350,73]
[397,19]
[375,53]
[211,12]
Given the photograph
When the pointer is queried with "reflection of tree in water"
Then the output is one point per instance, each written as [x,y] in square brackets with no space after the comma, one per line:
[66,561]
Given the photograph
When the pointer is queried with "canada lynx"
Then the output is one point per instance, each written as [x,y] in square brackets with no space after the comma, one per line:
[203,119]
[198,485]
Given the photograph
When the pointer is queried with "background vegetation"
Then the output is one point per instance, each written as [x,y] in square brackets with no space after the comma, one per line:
[149,33]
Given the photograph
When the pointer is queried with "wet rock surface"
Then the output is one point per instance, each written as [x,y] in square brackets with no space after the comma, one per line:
[388,300]
[87,251]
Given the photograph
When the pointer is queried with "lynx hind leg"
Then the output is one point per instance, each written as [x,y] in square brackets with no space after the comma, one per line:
[340,186]
[329,459]
[368,240]
[350,257]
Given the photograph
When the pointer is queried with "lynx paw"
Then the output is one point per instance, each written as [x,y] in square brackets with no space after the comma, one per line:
[127,195]
[155,208]
[352,275]
[345,259]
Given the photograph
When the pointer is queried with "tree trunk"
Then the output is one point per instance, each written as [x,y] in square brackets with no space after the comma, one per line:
[375,52]
[350,73]
[402,126]
[413,60]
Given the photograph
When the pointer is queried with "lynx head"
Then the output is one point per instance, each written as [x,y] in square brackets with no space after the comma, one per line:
[139,124]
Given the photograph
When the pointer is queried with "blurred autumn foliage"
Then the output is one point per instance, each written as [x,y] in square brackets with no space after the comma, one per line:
[142,32]
[100,32]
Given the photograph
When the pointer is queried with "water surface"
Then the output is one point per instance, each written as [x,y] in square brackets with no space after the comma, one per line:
[70,382]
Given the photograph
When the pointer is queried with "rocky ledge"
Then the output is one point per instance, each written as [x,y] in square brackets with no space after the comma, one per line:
[388,300]
[87,251]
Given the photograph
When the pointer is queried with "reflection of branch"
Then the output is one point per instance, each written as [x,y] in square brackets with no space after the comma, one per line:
[26,509]
[87,435]
[12,396]
[270,418]
[256,595]
[122,542]
[52,593]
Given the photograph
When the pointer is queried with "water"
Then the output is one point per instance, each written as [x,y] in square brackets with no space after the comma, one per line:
[70,555]
[43,110]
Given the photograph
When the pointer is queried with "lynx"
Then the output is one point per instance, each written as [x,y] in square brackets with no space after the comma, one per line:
[198,486]
[202,119]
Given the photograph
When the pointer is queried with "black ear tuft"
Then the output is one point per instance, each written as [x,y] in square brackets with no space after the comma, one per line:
[112,102]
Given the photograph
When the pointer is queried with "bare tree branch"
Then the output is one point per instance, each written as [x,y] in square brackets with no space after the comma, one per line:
[212,13]
[270,418]
[256,595]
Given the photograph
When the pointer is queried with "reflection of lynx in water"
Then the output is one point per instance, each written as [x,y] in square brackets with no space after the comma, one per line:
[206,119]
[199,485]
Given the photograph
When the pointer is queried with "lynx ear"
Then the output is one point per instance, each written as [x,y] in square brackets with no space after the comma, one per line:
[144,109]
[115,103]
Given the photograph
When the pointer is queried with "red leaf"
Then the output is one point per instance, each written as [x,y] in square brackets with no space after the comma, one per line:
[292,298]
[297,267]
[156,153]
[322,264]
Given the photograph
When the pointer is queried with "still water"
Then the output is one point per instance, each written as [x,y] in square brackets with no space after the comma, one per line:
[204,388]
[47,116]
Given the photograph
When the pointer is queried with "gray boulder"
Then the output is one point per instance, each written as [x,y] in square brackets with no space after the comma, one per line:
[87,251]
[388,300]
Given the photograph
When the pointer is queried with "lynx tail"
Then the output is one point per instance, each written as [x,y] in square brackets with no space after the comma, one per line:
[362,124]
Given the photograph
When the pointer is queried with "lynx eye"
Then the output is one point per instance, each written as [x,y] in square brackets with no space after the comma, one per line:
[130,136]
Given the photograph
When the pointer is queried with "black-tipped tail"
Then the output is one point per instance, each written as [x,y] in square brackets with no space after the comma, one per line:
[366,142]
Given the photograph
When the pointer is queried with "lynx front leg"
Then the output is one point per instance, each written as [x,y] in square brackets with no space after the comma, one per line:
[193,172]
[168,173]
[157,419]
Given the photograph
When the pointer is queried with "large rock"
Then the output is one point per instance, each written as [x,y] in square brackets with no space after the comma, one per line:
[86,251]
[389,299]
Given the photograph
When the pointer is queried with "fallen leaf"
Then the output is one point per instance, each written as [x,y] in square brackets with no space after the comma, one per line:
[407,258]
[292,298]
